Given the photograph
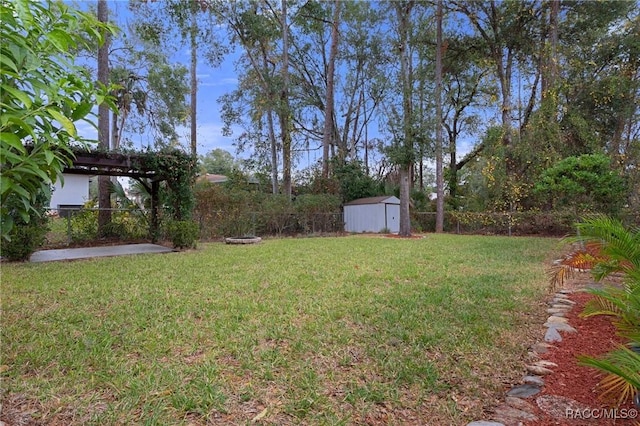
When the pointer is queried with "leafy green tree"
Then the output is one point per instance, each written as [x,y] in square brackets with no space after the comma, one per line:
[584,183]
[504,30]
[44,95]
[219,161]
[354,181]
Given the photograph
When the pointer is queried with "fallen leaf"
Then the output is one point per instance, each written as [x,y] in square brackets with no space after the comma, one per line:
[260,415]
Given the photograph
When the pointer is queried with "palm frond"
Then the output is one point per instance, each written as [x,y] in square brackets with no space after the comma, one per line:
[601,305]
[619,244]
[571,265]
[623,373]
[559,274]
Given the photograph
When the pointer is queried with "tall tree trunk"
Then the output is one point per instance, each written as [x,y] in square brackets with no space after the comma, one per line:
[403,10]
[405,188]
[114,130]
[104,197]
[504,75]
[270,123]
[438,94]
[329,104]
[193,33]
[553,37]
[274,152]
[285,120]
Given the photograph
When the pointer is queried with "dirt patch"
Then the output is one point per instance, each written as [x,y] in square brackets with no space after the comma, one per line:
[410,237]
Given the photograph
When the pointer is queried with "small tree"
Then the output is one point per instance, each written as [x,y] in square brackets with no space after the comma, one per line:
[218,161]
[354,182]
[583,183]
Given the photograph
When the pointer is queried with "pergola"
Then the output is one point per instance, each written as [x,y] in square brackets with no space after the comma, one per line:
[135,166]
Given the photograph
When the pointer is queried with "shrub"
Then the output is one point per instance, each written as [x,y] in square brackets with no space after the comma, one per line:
[583,183]
[125,224]
[26,235]
[225,212]
[183,233]
[84,224]
[25,239]
[277,214]
[318,212]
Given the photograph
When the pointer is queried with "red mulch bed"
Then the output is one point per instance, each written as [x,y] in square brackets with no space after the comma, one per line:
[595,336]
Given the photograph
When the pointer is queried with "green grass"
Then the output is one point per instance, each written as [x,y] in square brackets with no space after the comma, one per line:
[316,331]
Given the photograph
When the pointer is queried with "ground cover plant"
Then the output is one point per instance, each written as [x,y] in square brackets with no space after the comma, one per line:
[351,330]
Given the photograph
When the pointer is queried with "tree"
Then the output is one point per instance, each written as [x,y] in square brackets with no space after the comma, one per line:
[329,125]
[165,26]
[505,31]
[256,99]
[405,160]
[284,110]
[586,182]
[104,183]
[44,95]
[193,43]
[439,153]
[218,161]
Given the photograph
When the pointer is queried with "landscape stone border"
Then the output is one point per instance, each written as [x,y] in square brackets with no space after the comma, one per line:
[515,410]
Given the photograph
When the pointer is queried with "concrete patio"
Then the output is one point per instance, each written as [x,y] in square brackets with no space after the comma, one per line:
[90,252]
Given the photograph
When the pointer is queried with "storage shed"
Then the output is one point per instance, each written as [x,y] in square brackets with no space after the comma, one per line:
[372,214]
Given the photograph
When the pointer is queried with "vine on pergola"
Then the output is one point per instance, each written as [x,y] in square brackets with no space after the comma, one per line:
[172,166]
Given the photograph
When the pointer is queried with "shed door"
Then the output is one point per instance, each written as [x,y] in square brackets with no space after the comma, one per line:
[393,217]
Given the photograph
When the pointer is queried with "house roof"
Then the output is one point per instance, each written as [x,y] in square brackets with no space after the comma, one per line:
[214,178]
[384,199]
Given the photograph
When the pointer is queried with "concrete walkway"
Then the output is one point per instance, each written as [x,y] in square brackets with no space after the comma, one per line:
[89,252]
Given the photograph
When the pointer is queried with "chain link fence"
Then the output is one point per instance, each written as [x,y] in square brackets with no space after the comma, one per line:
[516,223]
[75,225]
[217,224]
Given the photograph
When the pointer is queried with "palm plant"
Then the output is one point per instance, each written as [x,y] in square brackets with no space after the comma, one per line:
[617,252]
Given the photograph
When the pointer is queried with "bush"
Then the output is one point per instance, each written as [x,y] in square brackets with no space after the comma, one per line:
[25,239]
[183,233]
[84,224]
[318,212]
[277,214]
[225,212]
[125,224]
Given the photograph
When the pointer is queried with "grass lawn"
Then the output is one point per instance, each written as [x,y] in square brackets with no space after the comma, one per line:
[292,331]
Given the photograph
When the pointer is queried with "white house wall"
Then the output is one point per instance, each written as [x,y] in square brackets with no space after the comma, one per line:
[75,191]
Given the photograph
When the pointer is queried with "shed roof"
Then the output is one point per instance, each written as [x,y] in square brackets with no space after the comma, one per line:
[384,199]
